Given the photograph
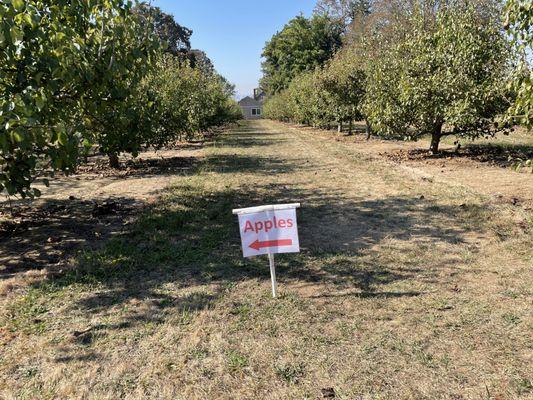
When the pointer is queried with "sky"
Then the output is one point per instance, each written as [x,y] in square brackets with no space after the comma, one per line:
[233,32]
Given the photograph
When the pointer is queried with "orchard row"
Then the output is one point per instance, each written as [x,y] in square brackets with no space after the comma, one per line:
[408,68]
[85,74]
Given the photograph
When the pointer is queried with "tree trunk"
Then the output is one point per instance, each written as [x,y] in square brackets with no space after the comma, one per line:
[339,127]
[113,160]
[368,130]
[435,139]
[350,127]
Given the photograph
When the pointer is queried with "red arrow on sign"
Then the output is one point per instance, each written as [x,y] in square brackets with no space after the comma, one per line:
[270,243]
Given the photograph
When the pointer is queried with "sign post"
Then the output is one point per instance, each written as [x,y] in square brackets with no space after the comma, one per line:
[273,275]
[269,230]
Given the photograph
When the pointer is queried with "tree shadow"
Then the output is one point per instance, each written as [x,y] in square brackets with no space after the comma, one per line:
[191,243]
[41,233]
[42,236]
[142,167]
[495,153]
[246,137]
[197,244]
[246,141]
[234,163]
[499,154]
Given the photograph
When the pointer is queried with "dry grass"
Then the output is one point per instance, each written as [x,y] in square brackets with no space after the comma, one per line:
[407,286]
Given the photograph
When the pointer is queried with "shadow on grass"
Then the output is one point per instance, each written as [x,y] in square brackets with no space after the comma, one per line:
[143,167]
[192,240]
[39,236]
[245,140]
[229,164]
[500,154]
[497,153]
[251,138]
[366,295]
[246,136]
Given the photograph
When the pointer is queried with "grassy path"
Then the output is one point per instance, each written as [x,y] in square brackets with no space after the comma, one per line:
[405,288]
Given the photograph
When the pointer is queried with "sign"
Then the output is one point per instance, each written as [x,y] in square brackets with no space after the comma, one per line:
[267,230]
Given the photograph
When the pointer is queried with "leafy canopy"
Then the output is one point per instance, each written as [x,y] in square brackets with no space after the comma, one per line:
[445,74]
[302,45]
[59,60]
[79,73]
[519,24]
[175,37]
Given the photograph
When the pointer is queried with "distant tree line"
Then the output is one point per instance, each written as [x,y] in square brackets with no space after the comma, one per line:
[76,74]
[409,68]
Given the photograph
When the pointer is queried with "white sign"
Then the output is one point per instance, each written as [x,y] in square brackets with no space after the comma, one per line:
[269,231]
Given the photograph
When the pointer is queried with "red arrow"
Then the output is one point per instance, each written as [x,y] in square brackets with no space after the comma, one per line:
[270,243]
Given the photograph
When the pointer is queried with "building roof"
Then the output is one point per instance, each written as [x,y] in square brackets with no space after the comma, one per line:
[249,102]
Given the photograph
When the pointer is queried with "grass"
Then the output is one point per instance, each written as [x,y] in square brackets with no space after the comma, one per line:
[405,288]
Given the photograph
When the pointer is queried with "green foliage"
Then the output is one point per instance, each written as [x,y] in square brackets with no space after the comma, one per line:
[302,45]
[59,61]
[301,102]
[343,84]
[163,25]
[120,117]
[518,23]
[279,107]
[428,80]
[83,72]
[332,93]
[306,100]
[425,67]
[346,11]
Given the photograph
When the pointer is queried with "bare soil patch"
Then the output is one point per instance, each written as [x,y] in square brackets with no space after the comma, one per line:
[497,156]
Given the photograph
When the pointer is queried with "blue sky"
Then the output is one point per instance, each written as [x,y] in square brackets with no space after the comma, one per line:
[233,32]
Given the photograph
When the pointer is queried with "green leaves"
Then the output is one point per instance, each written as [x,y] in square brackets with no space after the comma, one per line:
[449,74]
[438,70]
[332,93]
[18,5]
[47,100]
[518,23]
[301,46]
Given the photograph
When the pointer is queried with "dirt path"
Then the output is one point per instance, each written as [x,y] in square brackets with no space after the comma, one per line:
[409,285]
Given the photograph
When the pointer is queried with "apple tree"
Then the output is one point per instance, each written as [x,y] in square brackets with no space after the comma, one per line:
[445,75]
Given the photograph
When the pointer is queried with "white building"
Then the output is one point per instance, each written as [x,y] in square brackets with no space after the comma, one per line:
[252,108]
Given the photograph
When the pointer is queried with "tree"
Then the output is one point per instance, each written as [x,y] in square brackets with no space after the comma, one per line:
[332,93]
[163,25]
[198,59]
[187,99]
[429,82]
[77,73]
[279,107]
[518,23]
[57,60]
[119,117]
[343,82]
[345,11]
[301,102]
[302,45]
